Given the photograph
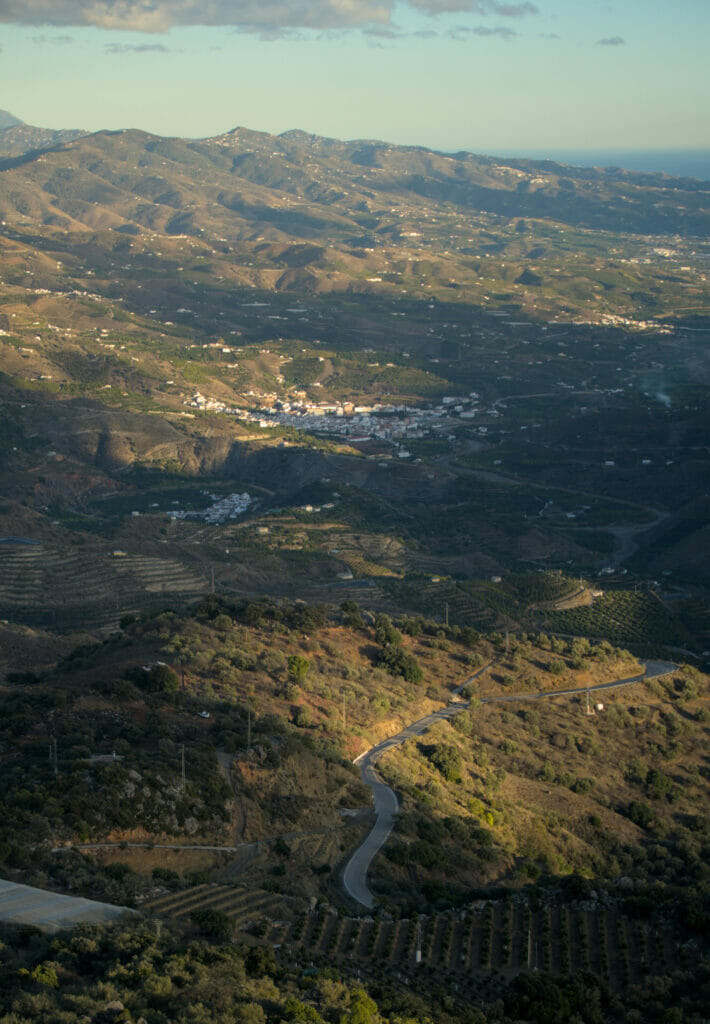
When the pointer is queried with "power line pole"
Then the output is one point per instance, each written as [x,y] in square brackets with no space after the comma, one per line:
[447,613]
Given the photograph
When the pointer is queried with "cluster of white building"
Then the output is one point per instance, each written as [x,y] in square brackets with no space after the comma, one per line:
[355,422]
[616,320]
[231,507]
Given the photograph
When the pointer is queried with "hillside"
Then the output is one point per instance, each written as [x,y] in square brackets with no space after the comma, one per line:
[271,701]
[298,212]
[298,436]
[497,366]
[568,460]
[219,798]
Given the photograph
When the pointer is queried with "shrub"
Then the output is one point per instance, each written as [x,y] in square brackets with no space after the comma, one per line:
[425,854]
[298,667]
[469,637]
[213,923]
[399,663]
[659,785]
[447,760]
[167,876]
[118,871]
[582,785]
[640,813]
[304,718]
[385,633]
[162,679]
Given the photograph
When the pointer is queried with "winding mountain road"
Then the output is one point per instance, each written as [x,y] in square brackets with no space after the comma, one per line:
[386,804]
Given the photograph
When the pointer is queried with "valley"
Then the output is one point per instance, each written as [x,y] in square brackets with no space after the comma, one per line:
[305,441]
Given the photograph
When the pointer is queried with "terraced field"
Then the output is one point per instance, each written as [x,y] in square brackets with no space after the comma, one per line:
[365,592]
[42,586]
[500,936]
[623,617]
[431,599]
[503,936]
[245,906]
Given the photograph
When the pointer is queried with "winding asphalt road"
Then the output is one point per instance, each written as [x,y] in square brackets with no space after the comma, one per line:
[386,804]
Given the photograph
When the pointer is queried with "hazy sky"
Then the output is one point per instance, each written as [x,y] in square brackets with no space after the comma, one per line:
[484,75]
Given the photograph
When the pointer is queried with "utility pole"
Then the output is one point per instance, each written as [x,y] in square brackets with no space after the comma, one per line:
[418,944]
[447,613]
[529,948]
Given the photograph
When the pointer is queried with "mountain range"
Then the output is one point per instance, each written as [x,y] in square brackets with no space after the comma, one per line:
[164,300]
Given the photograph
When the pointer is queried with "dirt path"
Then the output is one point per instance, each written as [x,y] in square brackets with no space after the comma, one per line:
[625,536]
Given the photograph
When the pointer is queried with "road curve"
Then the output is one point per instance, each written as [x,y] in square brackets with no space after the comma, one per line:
[652,669]
[386,804]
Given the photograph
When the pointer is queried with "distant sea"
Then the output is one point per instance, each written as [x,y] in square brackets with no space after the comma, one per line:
[686,163]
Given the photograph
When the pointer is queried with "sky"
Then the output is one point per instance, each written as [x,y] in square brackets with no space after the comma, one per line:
[489,76]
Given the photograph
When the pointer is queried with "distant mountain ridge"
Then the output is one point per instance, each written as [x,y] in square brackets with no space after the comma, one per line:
[308,187]
[8,120]
[18,138]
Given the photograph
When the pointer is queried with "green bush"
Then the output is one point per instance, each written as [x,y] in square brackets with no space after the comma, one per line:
[385,633]
[640,813]
[447,760]
[167,876]
[213,923]
[398,663]
[298,667]
[162,679]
